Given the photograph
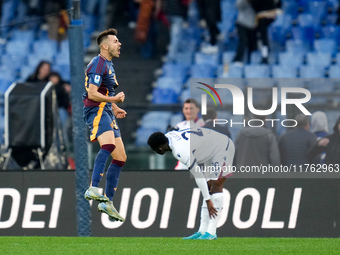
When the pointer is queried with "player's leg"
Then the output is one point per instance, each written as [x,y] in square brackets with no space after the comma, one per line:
[204,222]
[114,169]
[99,122]
[106,142]
[217,198]
[112,178]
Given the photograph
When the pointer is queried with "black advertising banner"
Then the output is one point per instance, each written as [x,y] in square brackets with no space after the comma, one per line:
[167,203]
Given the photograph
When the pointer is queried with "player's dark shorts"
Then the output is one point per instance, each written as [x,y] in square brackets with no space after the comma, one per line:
[99,121]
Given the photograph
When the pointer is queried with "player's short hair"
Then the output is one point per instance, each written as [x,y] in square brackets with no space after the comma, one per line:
[103,35]
[302,120]
[157,139]
[211,114]
[191,101]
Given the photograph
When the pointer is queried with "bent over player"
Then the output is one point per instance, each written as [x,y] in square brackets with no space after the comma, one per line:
[100,113]
[194,147]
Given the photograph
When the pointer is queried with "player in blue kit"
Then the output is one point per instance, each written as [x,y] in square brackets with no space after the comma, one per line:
[100,113]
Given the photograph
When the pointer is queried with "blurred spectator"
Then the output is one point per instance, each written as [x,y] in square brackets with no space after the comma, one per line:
[63,91]
[210,13]
[209,122]
[329,144]
[176,12]
[12,11]
[266,12]
[41,73]
[246,29]
[295,144]
[57,24]
[98,9]
[256,146]
[145,32]
[190,111]
[319,126]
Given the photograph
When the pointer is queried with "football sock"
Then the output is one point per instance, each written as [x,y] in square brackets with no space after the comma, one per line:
[217,199]
[100,162]
[204,218]
[112,177]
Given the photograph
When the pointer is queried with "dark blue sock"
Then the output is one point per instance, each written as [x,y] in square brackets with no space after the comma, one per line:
[100,162]
[112,178]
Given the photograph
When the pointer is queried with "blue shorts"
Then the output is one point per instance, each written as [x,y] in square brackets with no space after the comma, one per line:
[99,121]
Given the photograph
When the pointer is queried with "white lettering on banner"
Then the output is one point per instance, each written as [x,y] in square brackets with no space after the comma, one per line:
[268,208]
[153,194]
[15,195]
[124,204]
[30,207]
[295,208]
[166,208]
[255,195]
[193,207]
[55,207]
[226,205]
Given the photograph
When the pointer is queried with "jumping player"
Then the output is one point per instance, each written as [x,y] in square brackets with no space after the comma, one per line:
[194,147]
[100,113]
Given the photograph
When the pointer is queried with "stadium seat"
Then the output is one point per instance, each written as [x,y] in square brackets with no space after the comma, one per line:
[227,57]
[18,47]
[156,119]
[64,70]
[320,59]
[334,71]
[202,71]
[48,47]
[256,71]
[325,46]
[176,118]
[332,32]
[255,58]
[317,9]
[62,58]
[170,83]
[291,8]
[259,83]
[142,136]
[22,35]
[284,71]
[13,61]
[34,60]
[164,96]
[308,20]
[6,73]
[290,82]
[297,46]
[185,58]
[177,70]
[290,58]
[311,72]
[210,59]
[305,34]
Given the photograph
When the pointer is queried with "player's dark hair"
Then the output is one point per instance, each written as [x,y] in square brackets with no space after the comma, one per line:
[157,139]
[192,101]
[211,114]
[103,35]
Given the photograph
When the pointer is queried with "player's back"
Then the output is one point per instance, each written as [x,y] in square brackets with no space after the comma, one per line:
[202,142]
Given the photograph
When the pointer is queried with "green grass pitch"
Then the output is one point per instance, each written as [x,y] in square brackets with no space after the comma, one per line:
[175,246]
